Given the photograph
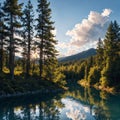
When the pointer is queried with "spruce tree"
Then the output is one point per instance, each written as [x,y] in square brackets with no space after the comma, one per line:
[28,28]
[13,13]
[111,70]
[2,36]
[100,53]
[89,64]
[46,42]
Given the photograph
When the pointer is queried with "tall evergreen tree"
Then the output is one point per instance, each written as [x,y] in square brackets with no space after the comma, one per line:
[100,52]
[28,33]
[2,36]
[46,41]
[110,73]
[89,64]
[13,12]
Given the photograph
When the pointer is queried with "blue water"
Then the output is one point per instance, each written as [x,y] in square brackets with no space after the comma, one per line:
[75,104]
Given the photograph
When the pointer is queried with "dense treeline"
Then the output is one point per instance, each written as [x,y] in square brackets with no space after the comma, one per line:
[103,69]
[23,34]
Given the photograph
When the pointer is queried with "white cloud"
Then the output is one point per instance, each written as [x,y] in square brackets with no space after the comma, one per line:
[85,34]
[62,45]
[65,49]
[106,12]
[90,29]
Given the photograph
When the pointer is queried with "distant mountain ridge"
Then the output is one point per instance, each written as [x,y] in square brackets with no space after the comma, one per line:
[78,56]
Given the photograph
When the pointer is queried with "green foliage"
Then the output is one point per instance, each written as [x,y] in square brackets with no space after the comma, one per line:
[27,34]
[46,43]
[100,52]
[59,78]
[94,75]
[102,70]
[13,11]
[109,74]
[89,64]
[103,79]
[43,71]
[73,71]
[21,85]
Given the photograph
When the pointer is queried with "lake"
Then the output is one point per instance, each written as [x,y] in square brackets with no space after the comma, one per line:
[76,104]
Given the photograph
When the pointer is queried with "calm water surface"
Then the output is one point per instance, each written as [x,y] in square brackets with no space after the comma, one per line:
[75,104]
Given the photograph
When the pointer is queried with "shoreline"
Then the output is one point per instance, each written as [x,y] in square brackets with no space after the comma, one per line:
[106,89]
[23,87]
[19,94]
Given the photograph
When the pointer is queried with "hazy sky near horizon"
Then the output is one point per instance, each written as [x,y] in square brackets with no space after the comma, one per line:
[80,23]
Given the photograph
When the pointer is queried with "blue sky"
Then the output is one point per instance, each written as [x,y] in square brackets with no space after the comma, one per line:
[79,23]
[68,13]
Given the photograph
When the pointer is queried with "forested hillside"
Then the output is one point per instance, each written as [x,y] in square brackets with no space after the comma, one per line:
[81,55]
[102,70]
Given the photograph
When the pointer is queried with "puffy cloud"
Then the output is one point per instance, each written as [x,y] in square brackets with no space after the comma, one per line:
[106,12]
[65,49]
[85,34]
[90,29]
[62,45]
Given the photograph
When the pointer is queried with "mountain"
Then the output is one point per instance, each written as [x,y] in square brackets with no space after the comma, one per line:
[81,55]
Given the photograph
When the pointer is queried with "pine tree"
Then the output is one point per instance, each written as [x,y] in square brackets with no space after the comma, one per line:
[111,70]
[13,12]
[94,75]
[28,28]
[2,36]
[89,64]
[46,42]
[116,63]
[100,53]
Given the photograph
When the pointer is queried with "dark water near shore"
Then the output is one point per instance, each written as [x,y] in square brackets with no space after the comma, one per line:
[76,104]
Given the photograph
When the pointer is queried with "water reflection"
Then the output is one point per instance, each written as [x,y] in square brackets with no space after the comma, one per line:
[75,104]
[102,106]
[31,108]
[75,110]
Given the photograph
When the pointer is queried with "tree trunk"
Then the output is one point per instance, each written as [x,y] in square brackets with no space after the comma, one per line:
[41,57]
[28,53]
[12,53]
[1,55]
[1,47]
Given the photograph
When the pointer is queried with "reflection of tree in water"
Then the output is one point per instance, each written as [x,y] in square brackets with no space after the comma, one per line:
[102,105]
[98,113]
[48,110]
[31,110]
